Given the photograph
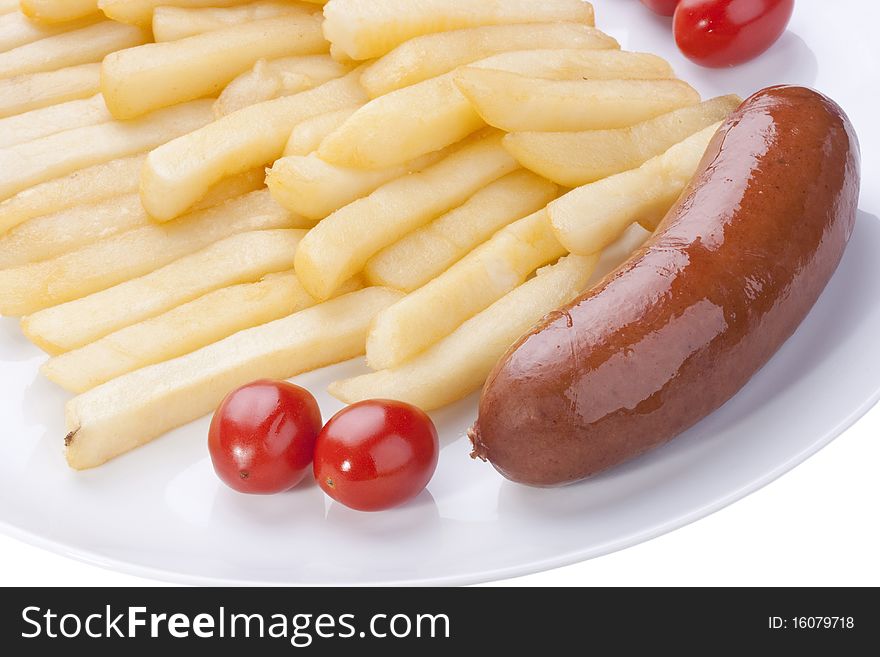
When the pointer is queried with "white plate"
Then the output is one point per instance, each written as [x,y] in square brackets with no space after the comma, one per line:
[160,511]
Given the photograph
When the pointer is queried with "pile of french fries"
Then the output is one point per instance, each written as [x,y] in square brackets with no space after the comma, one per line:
[198,193]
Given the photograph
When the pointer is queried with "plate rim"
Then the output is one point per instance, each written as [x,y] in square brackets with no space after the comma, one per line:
[508,572]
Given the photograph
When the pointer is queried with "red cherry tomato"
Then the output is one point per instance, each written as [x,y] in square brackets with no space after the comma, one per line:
[376,454]
[721,33]
[662,7]
[262,436]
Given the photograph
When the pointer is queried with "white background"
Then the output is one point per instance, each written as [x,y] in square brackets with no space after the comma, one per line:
[817,525]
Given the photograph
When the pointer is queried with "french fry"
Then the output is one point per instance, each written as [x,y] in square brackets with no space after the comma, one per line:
[362,30]
[337,54]
[58,11]
[576,158]
[138,80]
[241,258]
[402,125]
[140,12]
[308,135]
[468,287]
[517,103]
[460,363]
[431,55]
[180,331]
[429,251]
[132,410]
[314,188]
[8,6]
[270,79]
[16,29]
[95,267]
[24,93]
[34,162]
[47,121]
[82,187]
[51,235]
[232,187]
[339,246]
[433,114]
[173,23]
[84,46]
[579,64]
[179,173]
[592,216]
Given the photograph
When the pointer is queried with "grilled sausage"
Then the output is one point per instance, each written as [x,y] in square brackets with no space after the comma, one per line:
[682,325]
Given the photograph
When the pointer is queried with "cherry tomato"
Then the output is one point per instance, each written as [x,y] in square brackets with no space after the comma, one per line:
[262,436]
[376,454]
[721,33]
[662,7]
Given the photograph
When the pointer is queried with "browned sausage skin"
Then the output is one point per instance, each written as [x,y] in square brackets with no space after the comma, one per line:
[680,327]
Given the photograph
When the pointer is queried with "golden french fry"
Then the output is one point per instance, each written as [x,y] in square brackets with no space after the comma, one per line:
[576,158]
[337,54]
[339,246]
[308,135]
[16,29]
[97,266]
[270,79]
[58,11]
[34,162]
[579,64]
[468,287]
[431,55]
[402,125]
[138,407]
[82,187]
[362,30]
[138,80]
[173,23]
[181,330]
[51,235]
[241,258]
[432,114]
[429,251]
[517,103]
[140,12]
[232,187]
[24,93]
[84,46]
[177,174]
[459,364]
[314,188]
[592,216]
[47,121]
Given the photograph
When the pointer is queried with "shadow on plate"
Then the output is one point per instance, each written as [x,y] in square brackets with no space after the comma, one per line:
[43,404]
[456,419]
[13,345]
[422,510]
[789,61]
